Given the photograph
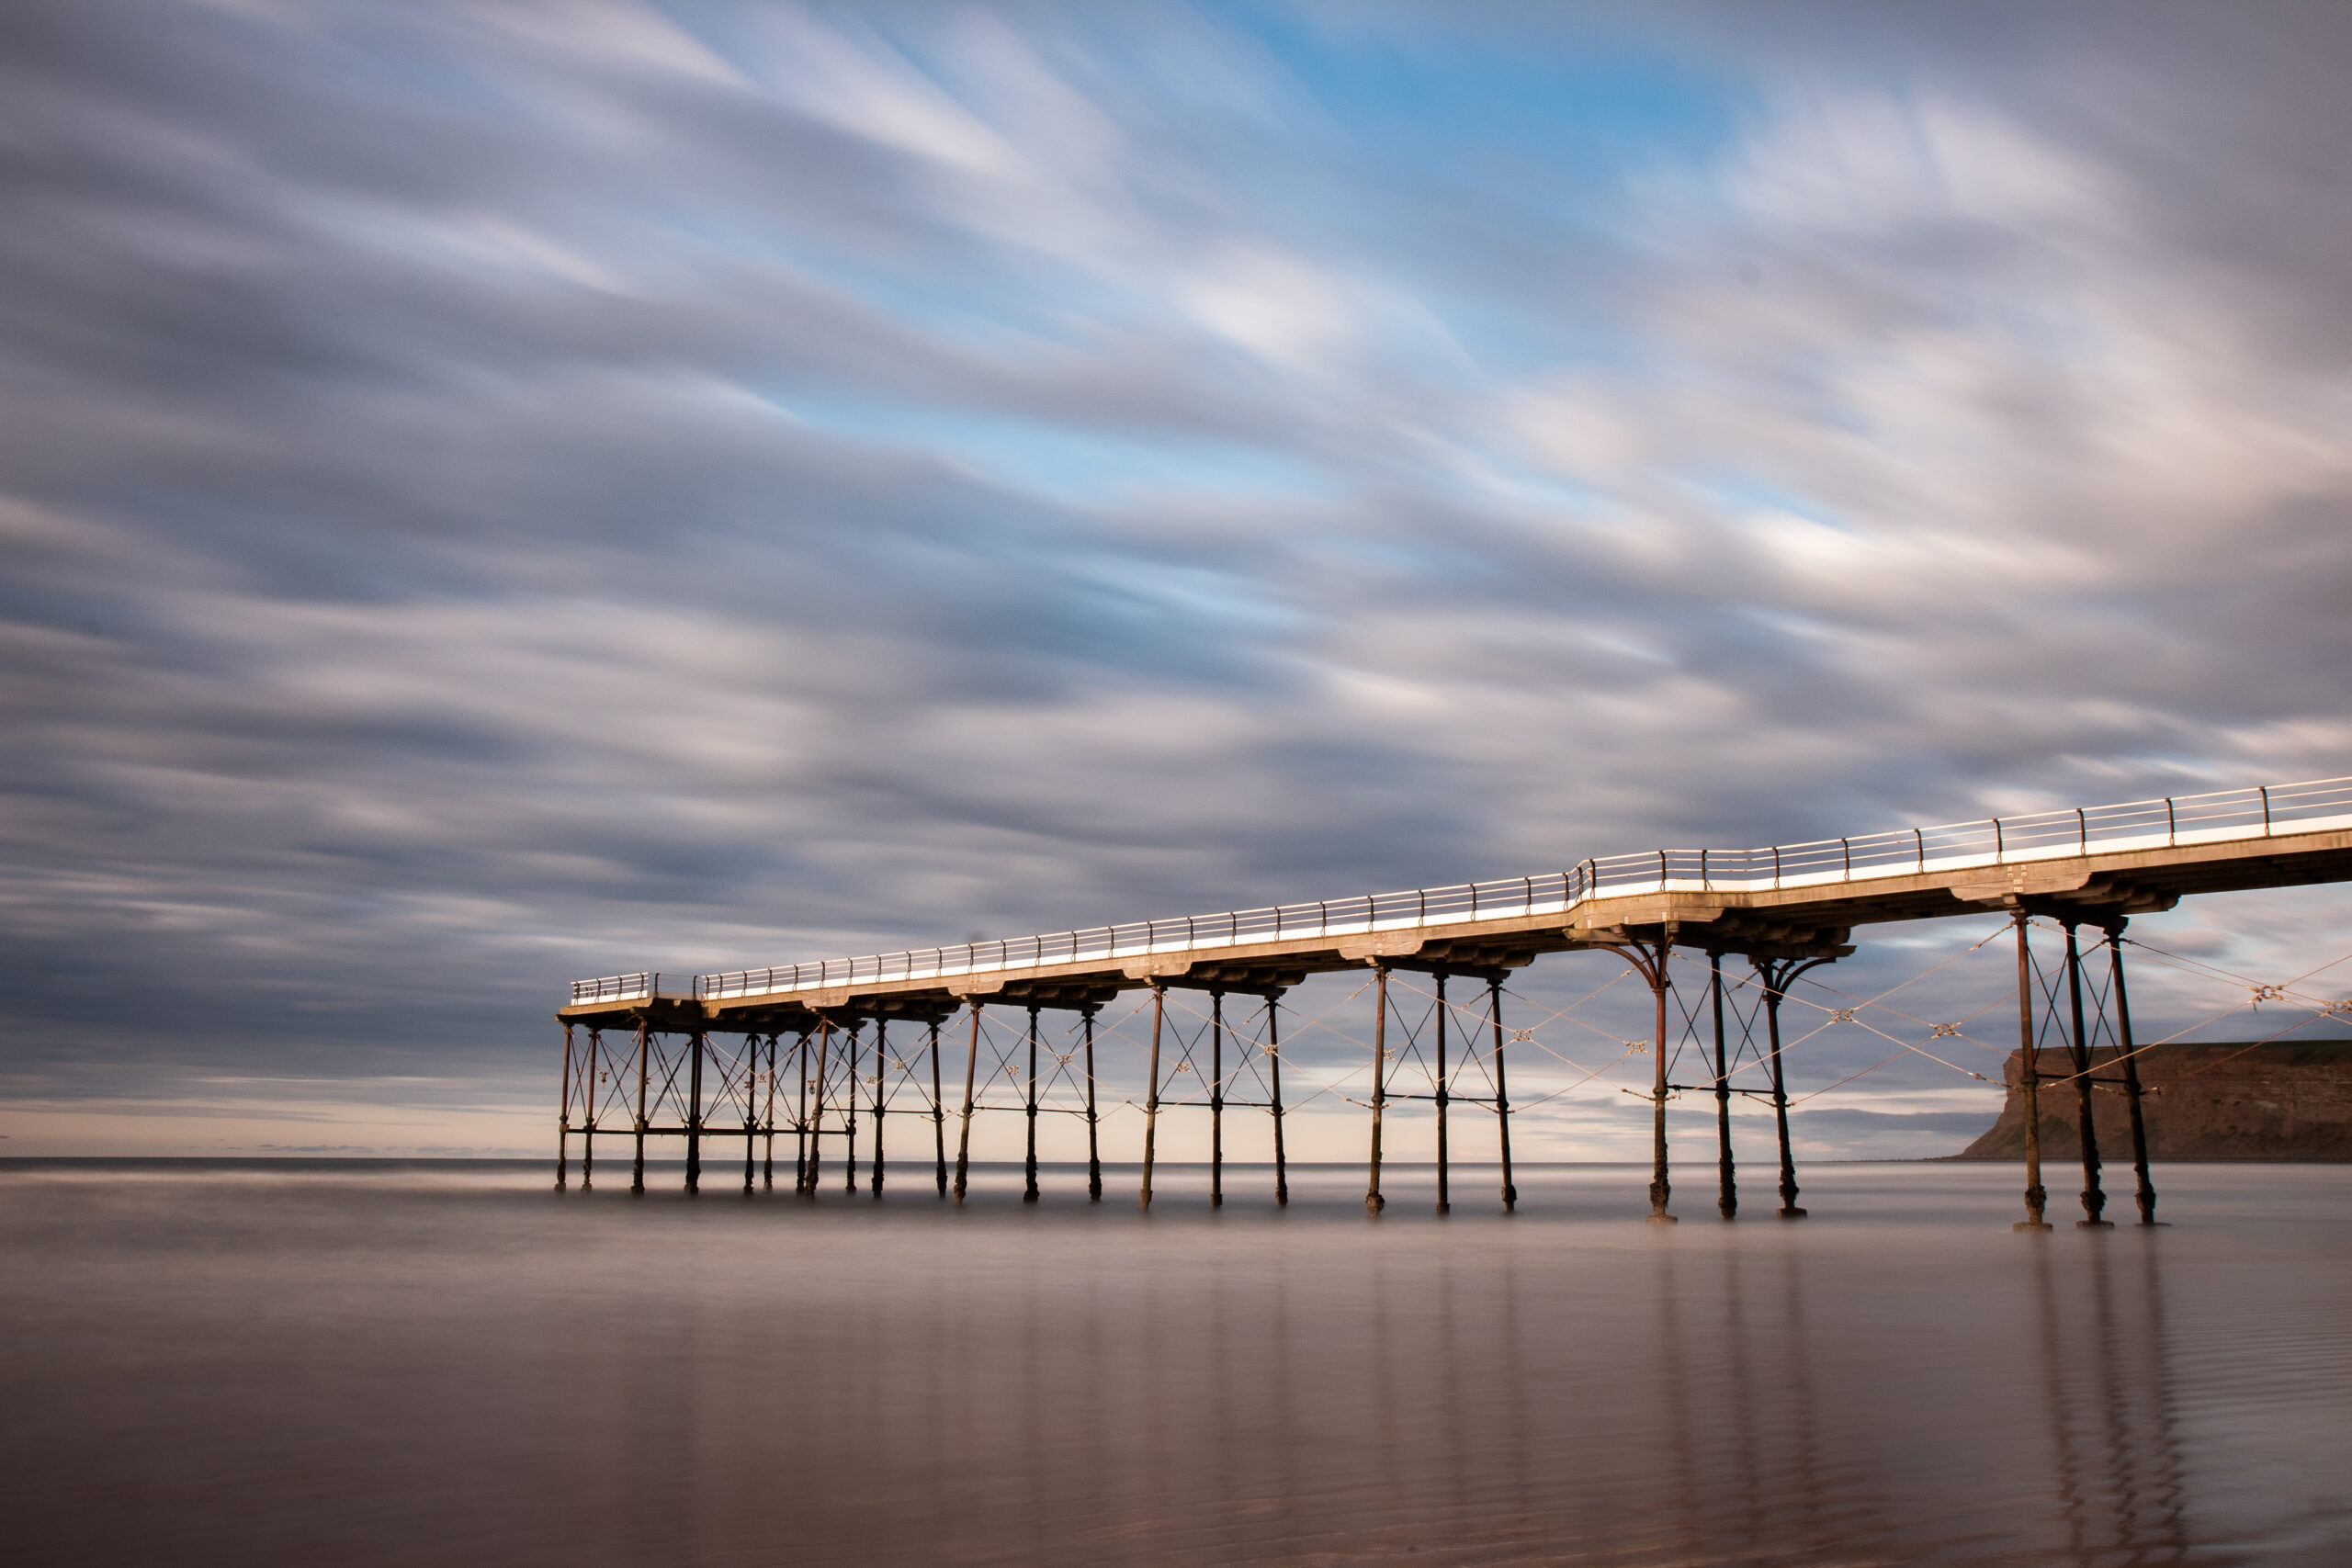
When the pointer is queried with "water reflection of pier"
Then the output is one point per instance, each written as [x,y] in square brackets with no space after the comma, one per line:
[1742,1401]
[2115,1451]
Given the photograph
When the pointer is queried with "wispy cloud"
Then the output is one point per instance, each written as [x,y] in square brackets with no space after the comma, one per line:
[493,491]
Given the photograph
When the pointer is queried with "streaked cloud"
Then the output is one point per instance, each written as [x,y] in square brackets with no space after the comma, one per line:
[497,491]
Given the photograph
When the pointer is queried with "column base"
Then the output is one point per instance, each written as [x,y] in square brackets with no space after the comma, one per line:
[1374,1202]
[1661,1219]
[2031,1225]
[2093,1224]
[1791,1213]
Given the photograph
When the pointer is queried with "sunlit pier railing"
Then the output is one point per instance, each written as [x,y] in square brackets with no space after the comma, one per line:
[623,988]
[2223,816]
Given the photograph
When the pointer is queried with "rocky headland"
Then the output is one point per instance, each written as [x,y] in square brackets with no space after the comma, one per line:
[2218,1102]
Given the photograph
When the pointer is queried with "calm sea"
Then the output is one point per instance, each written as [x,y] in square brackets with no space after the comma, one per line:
[361,1365]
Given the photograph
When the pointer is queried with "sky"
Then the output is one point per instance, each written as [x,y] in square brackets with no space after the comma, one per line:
[492,493]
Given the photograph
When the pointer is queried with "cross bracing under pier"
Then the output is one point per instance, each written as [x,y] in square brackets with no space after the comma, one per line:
[1786,910]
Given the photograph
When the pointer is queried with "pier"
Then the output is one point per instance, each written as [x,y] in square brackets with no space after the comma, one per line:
[811,1053]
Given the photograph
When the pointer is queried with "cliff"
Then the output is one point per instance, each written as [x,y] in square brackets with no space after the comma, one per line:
[2279,1102]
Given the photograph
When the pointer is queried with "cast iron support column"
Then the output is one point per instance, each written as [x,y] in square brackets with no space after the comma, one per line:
[589,1097]
[1216,1097]
[800,1184]
[750,1108]
[563,1118]
[1772,993]
[1776,975]
[881,1065]
[1093,1143]
[964,1128]
[637,1169]
[1502,1092]
[1275,1068]
[1151,1095]
[1444,1170]
[2036,1196]
[938,1110]
[1373,1200]
[1727,1197]
[1661,1188]
[849,1112]
[2094,1199]
[694,1119]
[767,1153]
[817,1108]
[1649,959]
[2146,1190]
[1029,1185]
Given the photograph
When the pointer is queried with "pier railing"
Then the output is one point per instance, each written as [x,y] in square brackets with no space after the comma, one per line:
[643,984]
[2222,817]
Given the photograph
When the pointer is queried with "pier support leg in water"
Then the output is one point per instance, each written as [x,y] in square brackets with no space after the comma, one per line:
[1661,1188]
[1727,1191]
[1151,1095]
[751,1109]
[881,1065]
[694,1116]
[849,1112]
[964,1127]
[2145,1191]
[1029,1105]
[1094,1123]
[636,1167]
[1502,1092]
[767,1151]
[1444,1184]
[938,1109]
[1275,1071]
[563,1118]
[815,1171]
[1776,975]
[1373,1202]
[800,1116]
[2094,1197]
[2037,1198]
[1216,1097]
[592,1085]
[1649,960]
